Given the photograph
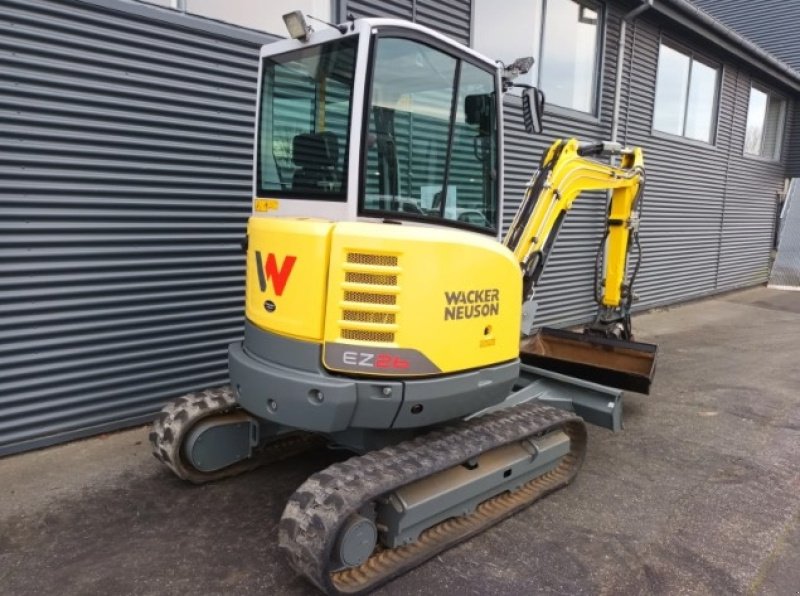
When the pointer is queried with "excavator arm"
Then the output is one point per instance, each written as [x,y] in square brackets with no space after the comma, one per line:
[567,170]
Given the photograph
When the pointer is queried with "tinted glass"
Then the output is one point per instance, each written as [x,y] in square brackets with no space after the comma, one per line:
[765,116]
[409,121]
[672,84]
[773,127]
[756,114]
[569,54]
[304,121]
[471,178]
[503,38]
[702,100]
[686,95]
[409,157]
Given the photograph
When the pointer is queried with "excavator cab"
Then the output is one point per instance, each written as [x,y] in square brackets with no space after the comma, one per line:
[380,120]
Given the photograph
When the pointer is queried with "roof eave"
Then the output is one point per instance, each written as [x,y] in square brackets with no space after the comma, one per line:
[695,19]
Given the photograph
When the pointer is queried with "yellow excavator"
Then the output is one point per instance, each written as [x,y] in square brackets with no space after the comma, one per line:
[385,316]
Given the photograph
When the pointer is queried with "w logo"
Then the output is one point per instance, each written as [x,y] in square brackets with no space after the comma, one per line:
[272,274]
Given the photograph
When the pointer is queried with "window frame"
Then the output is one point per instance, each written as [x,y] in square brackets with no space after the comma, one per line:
[594,113]
[693,56]
[460,57]
[777,153]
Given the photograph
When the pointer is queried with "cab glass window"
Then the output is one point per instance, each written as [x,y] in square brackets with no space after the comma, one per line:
[304,119]
[430,150]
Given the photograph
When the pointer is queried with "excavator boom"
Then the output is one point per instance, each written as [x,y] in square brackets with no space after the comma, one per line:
[605,352]
[565,172]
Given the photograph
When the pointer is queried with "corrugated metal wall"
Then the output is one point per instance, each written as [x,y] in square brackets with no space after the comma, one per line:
[750,210]
[451,17]
[709,214]
[761,22]
[757,22]
[566,292]
[793,151]
[125,151]
[125,175]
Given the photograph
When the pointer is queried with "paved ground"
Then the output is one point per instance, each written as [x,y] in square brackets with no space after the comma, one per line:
[700,494]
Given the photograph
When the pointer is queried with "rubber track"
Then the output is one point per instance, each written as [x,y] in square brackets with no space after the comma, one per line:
[318,509]
[179,416]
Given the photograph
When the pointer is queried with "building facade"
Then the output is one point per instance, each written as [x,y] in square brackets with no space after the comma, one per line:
[126,139]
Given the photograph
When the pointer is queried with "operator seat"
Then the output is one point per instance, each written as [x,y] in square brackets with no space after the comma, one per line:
[316,156]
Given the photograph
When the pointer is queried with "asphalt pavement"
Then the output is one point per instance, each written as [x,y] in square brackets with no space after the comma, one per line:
[699,494]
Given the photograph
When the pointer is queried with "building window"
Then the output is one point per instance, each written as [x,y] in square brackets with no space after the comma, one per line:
[765,116]
[568,63]
[564,36]
[686,94]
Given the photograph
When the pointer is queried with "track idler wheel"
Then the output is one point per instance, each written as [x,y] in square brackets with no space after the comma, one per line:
[337,528]
[178,419]
[356,543]
[205,436]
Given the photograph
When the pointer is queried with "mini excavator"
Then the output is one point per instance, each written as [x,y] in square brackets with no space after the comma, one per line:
[385,317]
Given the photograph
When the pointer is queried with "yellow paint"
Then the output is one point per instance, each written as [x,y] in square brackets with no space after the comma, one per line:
[429,263]
[264,205]
[571,175]
[408,299]
[620,209]
[299,310]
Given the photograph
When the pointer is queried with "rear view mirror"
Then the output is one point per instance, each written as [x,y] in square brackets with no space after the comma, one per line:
[479,110]
[532,109]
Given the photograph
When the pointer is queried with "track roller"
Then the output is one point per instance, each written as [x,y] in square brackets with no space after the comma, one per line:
[326,528]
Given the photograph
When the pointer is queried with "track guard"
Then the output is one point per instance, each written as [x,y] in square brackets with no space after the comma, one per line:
[221,441]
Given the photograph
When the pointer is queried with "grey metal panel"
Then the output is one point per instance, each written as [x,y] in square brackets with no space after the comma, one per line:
[451,17]
[708,213]
[125,131]
[684,192]
[565,294]
[786,268]
[126,134]
[768,23]
[751,199]
[398,9]
[793,150]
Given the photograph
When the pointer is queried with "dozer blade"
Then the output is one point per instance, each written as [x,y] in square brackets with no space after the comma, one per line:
[616,363]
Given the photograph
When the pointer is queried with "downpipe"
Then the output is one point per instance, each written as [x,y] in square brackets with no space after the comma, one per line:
[623,32]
